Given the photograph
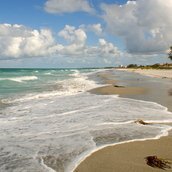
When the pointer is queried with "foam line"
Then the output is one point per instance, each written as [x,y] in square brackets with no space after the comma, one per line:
[75,164]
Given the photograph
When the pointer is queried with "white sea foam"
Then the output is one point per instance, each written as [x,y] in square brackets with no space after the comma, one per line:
[48,169]
[75,85]
[21,78]
[73,126]
[75,74]
[48,73]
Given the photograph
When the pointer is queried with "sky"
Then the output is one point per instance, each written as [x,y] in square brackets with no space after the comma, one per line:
[84,33]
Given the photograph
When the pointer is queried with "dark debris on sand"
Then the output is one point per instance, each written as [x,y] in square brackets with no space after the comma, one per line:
[140,121]
[170,92]
[156,162]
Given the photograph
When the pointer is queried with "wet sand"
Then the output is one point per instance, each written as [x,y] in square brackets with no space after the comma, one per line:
[115,89]
[136,86]
[130,157]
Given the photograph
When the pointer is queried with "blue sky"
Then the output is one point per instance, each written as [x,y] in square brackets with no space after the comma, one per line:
[31,13]
[84,33]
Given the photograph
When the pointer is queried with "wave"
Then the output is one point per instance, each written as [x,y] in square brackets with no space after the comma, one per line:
[48,73]
[78,84]
[3,103]
[75,85]
[75,73]
[20,79]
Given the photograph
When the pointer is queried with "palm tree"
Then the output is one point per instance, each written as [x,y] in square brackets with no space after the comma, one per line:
[170,53]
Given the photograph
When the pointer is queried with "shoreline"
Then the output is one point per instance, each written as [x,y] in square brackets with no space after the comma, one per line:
[91,161]
[81,160]
[87,162]
[138,88]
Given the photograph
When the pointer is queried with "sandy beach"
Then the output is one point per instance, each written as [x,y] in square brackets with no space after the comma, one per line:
[158,73]
[128,157]
[131,156]
[115,89]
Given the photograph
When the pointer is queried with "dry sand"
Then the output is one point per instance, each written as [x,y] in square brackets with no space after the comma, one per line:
[129,157]
[159,73]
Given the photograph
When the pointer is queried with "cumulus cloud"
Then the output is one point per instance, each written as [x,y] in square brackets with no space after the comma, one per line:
[145,26]
[107,48]
[18,41]
[104,49]
[67,6]
[76,39]
[73,35]
[96,28]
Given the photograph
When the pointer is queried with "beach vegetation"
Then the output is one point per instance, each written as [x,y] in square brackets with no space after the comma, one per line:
[132,66]
[153,66]
[170,53]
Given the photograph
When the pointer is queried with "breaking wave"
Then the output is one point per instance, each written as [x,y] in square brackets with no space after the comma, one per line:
[20,79]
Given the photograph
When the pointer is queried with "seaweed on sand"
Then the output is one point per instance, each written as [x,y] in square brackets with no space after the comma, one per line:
[156,162]
[119,86]
[170,92]
[140,121]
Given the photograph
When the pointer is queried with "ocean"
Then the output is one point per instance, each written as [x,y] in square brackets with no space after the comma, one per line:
[49,122]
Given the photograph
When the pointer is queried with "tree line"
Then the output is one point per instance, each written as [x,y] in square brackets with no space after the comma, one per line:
[170,53]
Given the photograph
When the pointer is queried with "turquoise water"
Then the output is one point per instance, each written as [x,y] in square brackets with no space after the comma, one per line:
[22,81]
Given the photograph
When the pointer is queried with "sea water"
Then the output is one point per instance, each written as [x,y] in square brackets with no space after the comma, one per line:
[49,122]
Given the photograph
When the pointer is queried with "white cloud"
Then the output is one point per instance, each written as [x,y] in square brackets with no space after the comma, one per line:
[145,26]
[67,6]
[77,44]
[73,35]
[18,41]
[107,48]
[104,49]
[96,28]
[76,39]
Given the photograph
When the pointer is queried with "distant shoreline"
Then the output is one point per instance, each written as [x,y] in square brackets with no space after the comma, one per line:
[157,73]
